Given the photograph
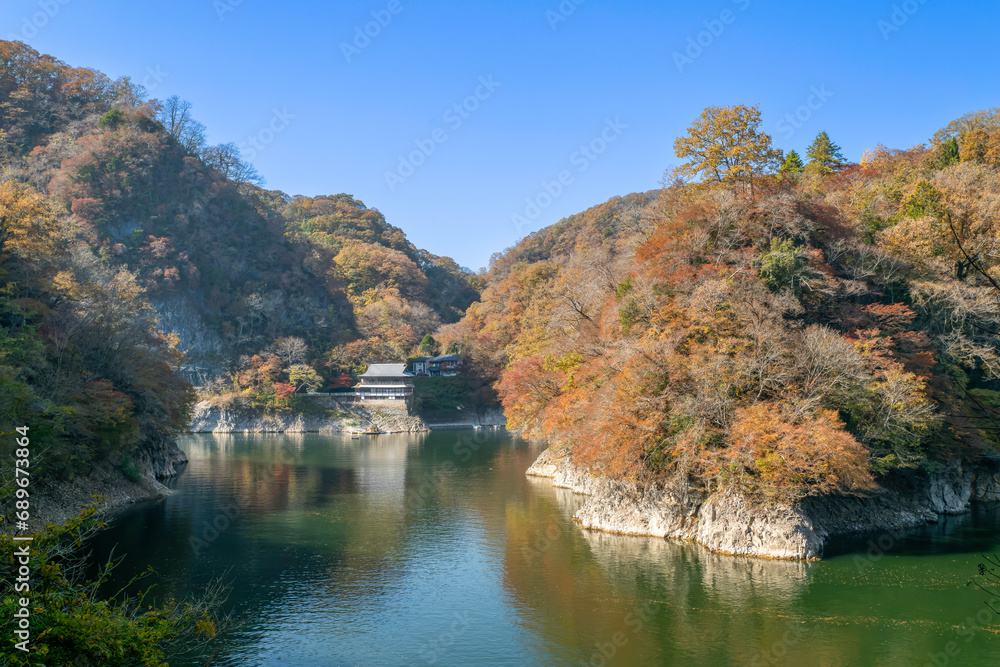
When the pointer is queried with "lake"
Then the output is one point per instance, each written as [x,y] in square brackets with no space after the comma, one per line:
[435,549]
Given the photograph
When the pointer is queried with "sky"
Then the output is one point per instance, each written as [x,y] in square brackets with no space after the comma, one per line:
[472,124]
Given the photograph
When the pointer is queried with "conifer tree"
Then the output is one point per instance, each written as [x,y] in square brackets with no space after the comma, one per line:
[826,154]
[792,164]
[948,153]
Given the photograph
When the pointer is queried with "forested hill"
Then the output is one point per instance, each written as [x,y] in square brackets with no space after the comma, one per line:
[119,225]
[763,323]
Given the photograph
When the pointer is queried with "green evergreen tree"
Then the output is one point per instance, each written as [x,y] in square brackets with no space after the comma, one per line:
[948,153]
[826,154]
[430,346]
[792,164]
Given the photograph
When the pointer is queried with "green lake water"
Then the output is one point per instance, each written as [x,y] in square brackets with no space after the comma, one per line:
[435,549]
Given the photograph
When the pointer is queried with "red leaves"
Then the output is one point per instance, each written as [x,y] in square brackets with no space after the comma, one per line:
[525,389]
[342,381]
[283,390]
[893,318]
[105,402]
[87,209]
[777,458]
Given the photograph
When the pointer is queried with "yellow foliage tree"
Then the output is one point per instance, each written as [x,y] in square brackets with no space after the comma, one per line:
[27,226]
[726,144]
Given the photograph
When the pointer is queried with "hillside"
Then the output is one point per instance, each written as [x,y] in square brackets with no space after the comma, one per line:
[758,324]
[827,329]
[134,255]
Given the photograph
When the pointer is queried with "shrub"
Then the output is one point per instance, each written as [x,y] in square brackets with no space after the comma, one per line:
[131,469]
[73,623]
[112,120]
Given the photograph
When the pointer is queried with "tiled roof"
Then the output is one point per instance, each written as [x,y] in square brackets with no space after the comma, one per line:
[385,370]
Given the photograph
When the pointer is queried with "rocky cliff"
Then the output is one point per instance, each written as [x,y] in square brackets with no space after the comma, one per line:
[156,462]
[349,418]
[201,344]
[728,524]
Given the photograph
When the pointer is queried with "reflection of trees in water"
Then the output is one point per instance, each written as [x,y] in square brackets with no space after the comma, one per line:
[733,581]
[567,501]
[752,603]
[560,590]
[720,610]
[587,586]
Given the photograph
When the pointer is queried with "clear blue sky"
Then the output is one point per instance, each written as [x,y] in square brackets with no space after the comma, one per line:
[239,60]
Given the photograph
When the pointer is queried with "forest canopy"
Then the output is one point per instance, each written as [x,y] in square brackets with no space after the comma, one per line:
[128,186]
[761,324]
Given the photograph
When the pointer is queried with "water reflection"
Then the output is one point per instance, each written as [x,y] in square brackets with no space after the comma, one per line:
[436,549]
[737,582]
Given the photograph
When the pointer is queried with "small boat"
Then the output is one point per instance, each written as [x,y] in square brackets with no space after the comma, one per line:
[374,430]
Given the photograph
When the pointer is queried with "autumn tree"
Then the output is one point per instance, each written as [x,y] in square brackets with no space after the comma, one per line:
[367,266]
[291,349]
[987,120]
[726,144]
[301,375]
[825,155]
[27,224]
[227,160]
[777,458]
[398,324]
[41,96]
[175,114]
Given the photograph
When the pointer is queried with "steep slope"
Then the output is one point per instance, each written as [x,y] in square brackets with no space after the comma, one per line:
[133,255]
[237,272]
[834,336]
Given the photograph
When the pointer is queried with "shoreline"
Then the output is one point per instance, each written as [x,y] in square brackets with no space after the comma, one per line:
[157,461]
[727,524]
[353,419]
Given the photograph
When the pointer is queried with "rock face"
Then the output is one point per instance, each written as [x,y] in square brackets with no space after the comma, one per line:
[469,417]
[986,483]
[727,523]
[179,314]
[353,418]
[157,461]
[160,459]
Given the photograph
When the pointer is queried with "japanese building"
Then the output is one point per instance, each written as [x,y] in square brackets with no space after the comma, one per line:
[444,365]
[385,382]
